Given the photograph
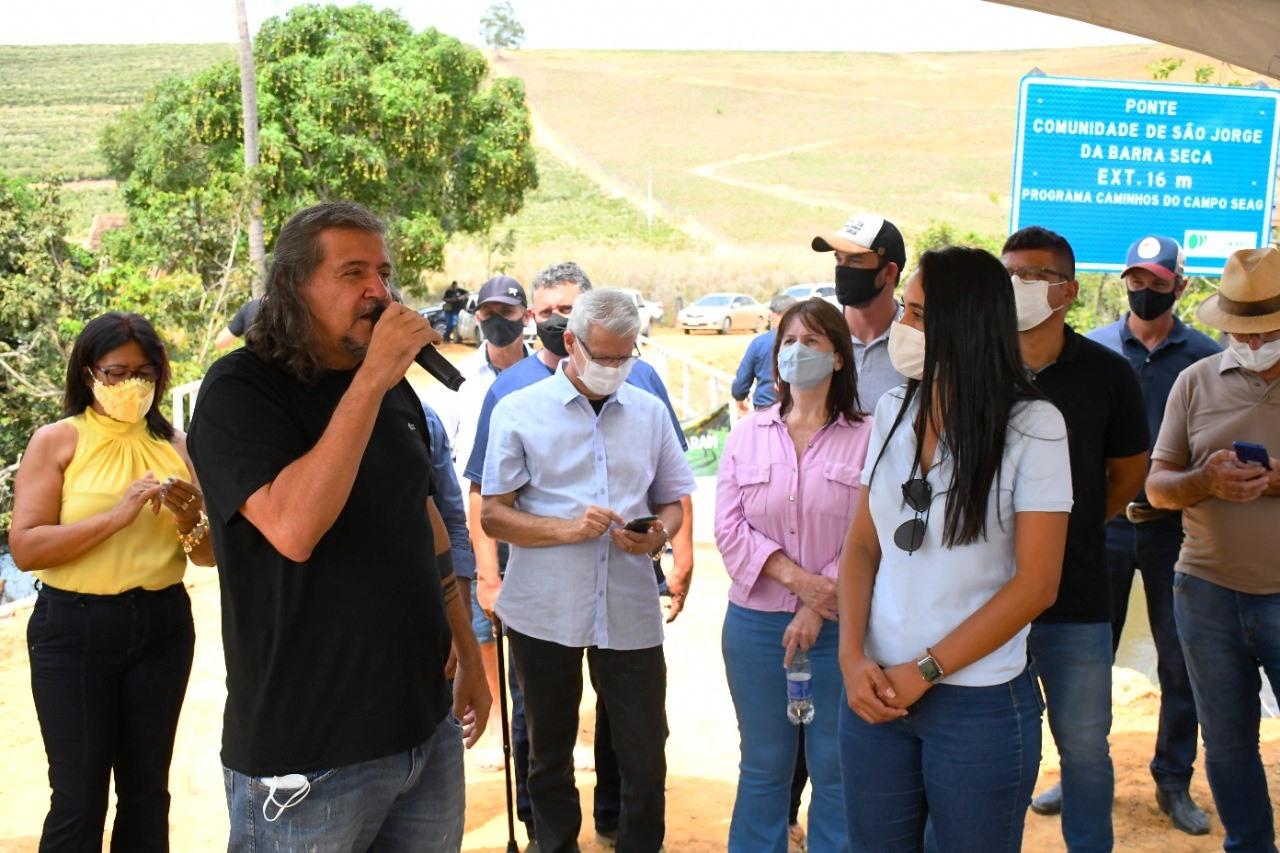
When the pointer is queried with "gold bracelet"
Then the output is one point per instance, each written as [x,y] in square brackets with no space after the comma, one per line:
[193,537]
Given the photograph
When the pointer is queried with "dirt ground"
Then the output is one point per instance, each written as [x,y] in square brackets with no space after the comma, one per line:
[702,751]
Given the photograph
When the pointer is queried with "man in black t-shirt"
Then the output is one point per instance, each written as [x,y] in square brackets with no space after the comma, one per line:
[1070,643]
[338,597]
[238,325]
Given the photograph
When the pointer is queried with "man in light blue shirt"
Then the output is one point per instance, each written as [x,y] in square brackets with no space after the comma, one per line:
[570,461]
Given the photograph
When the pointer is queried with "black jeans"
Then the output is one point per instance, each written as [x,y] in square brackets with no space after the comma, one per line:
[608,794]
[108,673]
[632,686]
[1154,555]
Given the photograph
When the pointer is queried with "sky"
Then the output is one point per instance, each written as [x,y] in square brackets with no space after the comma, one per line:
[838,25]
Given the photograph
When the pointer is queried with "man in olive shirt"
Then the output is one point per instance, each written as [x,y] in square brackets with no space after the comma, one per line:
[1227,588]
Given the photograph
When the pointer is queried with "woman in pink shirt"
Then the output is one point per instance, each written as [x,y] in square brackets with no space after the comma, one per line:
[788,484]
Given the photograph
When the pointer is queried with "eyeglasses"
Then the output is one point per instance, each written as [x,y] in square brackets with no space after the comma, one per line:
[113,373]
[612,361]
[918,495]
[1038,274]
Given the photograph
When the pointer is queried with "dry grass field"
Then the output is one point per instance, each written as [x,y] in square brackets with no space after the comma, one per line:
[762,148]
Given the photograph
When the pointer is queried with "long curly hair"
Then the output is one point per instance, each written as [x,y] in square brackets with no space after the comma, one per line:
[282,332]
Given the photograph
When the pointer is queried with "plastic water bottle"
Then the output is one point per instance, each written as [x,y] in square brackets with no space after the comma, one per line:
[799,690]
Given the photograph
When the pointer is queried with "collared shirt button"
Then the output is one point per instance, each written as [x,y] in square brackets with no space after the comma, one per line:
[791,498]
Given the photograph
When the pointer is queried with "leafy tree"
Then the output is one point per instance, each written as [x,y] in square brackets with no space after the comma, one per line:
[39,302]
[49,289]
[500,29]
[353,104]
[1163,67]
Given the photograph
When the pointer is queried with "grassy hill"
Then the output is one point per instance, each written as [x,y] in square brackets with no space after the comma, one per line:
[755,152]
[55,100]
[764,148]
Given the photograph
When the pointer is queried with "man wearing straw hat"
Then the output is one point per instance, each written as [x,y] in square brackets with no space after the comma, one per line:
[1215,460]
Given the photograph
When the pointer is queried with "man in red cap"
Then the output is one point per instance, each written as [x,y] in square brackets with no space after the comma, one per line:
[1159,346]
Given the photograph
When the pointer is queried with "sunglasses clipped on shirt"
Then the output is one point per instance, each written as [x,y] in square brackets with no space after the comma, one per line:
[918,495]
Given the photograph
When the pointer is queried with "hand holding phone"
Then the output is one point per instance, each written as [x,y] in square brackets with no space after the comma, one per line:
[1248,452]
[641,524]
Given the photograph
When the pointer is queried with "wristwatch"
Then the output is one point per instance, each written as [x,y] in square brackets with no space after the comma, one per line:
[656,553]
[930,671]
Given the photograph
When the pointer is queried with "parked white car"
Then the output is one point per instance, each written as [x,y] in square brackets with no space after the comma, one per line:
[725,312]
[645,308]
[817,290]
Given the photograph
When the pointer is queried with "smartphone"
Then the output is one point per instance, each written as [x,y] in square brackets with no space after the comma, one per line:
[1248,452]
[641,524]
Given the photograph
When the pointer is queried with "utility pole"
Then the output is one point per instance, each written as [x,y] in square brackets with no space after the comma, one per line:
[249,107]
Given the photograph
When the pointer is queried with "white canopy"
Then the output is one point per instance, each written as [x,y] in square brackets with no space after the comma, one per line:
[1244,33]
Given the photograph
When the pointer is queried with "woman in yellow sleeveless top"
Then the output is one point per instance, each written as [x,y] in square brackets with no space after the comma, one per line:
[106,512]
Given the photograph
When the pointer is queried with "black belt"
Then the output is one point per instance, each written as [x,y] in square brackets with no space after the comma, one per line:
[1140,512]
[136,592]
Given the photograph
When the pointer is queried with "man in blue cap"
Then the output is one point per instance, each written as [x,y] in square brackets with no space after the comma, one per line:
[1145,539]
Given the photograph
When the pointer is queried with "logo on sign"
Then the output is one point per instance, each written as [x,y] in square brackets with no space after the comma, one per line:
[1218,244]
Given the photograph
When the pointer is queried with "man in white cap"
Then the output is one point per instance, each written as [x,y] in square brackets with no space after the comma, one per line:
[870,256]
[1144,539]
[1215,461]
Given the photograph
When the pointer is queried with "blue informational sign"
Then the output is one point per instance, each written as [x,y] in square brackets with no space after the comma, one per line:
[1106,162]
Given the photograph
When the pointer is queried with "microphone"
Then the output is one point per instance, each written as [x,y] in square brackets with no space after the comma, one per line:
[430,360]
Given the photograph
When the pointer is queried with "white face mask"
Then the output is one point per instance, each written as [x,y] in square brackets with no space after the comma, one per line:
[1258,360]
[1032,299]
[602,380]
[906,350]
[803,367]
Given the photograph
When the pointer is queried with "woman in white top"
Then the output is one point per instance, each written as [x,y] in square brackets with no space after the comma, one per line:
[942,727]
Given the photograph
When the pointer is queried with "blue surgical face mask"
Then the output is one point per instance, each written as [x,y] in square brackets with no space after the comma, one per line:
[804,367]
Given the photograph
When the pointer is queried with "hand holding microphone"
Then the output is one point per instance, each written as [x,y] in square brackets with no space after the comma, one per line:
[401,335]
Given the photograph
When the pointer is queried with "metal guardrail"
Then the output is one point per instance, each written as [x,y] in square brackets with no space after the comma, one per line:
[695,388]
[184,403]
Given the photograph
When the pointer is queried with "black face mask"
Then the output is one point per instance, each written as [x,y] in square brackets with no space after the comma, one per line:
[856,287]
[1148,304]
[500,331]
[551,333]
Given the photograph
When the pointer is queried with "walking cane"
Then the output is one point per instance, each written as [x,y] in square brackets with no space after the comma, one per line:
[512,847]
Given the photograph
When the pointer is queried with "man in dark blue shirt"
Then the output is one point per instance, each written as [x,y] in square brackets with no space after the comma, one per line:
[757,361]
[1159,346]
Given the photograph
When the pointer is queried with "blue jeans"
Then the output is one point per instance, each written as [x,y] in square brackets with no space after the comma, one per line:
[1226,636]
[752,647]
[410,801]
[963,761]
[1154,555]
[1074,663]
